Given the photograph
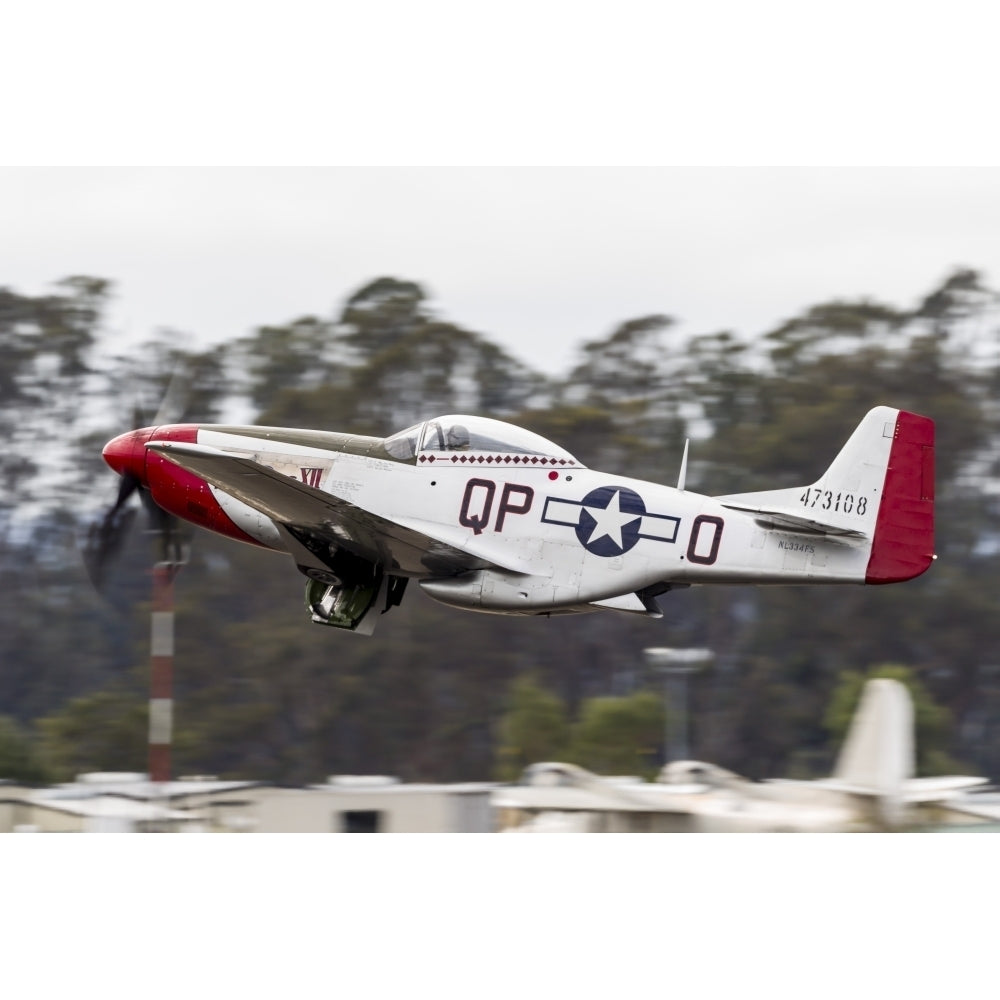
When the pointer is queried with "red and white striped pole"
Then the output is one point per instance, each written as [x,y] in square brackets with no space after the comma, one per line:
[161,688]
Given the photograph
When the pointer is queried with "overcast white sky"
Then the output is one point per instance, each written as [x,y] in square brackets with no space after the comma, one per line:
[538,259]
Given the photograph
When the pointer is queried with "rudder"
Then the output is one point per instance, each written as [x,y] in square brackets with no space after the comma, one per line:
[903,541]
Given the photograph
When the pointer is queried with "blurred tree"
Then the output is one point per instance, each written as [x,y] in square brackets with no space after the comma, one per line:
[633,378]
[19,757]
[961,295]
[383,312]
[619,735]
[533,729]
[44,344]
[106,731]
[630,364]
[299,355]
[439,368]
[261,693]
[386,363]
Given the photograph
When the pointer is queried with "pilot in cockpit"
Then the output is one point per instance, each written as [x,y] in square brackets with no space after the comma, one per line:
[457,438]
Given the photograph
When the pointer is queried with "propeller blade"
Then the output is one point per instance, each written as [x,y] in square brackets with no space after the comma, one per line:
[172,538]
[128,485]
[106,537]
[174,401]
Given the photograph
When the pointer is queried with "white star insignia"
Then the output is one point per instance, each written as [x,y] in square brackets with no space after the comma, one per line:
[610,521]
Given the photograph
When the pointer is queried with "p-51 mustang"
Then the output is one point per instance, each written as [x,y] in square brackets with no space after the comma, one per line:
[490,517]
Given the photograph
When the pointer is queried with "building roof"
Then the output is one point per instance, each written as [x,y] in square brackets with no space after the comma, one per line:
[361,785]
[138,787]
[111,807]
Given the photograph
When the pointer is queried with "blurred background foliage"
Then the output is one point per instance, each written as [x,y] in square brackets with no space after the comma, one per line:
[438,694]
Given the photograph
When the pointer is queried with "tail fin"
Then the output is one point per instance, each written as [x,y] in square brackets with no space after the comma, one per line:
[877,760]
[887,465]
[880,486]
[878,753]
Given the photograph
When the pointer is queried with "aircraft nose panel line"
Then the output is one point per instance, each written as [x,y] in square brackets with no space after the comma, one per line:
[126,454]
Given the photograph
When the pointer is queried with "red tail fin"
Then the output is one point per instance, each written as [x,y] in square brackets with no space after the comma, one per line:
[903,544]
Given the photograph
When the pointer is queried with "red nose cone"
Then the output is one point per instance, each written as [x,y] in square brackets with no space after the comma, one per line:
[126,454]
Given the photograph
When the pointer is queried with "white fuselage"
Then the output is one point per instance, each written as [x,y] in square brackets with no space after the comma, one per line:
[569,536]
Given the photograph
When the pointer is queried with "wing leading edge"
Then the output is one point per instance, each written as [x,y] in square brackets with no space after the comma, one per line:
[409,542]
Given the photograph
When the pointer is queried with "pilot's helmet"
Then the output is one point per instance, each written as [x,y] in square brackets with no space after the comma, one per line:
[458,438]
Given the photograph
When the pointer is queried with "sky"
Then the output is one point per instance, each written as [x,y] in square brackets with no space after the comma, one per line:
[539,260]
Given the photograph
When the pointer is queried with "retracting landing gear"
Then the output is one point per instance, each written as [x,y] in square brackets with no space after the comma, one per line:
[351,605]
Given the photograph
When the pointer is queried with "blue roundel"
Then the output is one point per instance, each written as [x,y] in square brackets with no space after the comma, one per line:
[610,520]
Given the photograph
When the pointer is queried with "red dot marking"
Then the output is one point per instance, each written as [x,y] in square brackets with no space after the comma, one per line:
[553,474]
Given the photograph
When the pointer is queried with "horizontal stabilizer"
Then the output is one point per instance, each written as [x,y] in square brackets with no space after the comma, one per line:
[790,520]
[913,791]
[970,806]
[941,788]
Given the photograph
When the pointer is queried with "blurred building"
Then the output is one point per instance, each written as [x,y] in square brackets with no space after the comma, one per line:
[694,797]
[127,803]
[872,788]
[356,804]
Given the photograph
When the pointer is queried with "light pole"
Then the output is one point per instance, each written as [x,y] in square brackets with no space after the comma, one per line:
[676,665]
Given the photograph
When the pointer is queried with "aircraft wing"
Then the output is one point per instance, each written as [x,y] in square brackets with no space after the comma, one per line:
[965,807]
[939,789]
[371,536]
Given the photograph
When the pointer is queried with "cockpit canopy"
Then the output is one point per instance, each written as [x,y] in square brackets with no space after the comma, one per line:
[478,439]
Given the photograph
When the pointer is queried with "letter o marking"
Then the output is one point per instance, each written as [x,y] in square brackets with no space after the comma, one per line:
[697,550]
